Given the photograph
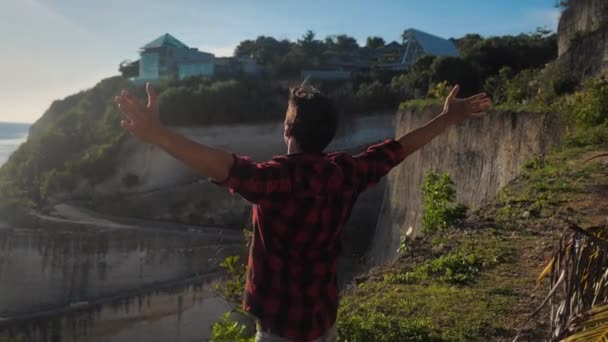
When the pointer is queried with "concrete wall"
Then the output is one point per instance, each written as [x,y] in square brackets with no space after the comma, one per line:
[481,156]
[59,265]
[180,312]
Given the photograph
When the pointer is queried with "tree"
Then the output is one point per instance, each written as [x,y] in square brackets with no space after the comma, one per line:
[306,53]
[416,82]
[341,43]
[375,42]
[455,70]
[468,44]
[525,51]
[307,38]
[265,50]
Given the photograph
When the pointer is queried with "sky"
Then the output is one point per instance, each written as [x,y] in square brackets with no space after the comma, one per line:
[54,48]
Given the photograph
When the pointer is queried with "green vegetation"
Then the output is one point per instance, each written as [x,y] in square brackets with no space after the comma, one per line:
[586,114]
[229,330]
[551,180]
[439,211]
[449,297]
[233,286]
[461,265]
[481,58]
[546,183]
[74,144]
[202,101]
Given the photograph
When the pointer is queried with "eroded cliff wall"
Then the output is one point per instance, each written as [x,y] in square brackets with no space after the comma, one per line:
[481,156]
[583,37]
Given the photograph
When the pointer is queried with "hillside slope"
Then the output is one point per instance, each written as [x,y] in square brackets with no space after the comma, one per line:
[477,282]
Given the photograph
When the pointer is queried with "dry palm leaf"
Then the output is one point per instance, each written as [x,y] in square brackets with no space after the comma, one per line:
[591,326]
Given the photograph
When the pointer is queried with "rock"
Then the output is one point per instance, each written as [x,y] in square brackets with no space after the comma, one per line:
[526,214]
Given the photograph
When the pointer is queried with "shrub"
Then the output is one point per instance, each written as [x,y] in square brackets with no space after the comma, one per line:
[439,209]
[232,287]
[455,70]
[455,268]
[586,114]
[228,329]
[440,91]
[523,87]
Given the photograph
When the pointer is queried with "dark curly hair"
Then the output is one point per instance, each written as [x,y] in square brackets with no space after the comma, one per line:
[313,118]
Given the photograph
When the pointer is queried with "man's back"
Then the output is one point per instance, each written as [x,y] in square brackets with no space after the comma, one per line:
[301,203]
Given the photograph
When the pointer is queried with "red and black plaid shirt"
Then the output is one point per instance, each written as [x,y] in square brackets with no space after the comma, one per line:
[300,204]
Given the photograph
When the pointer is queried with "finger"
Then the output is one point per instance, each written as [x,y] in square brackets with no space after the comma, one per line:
[124,103]
[454,92]
[152,98]
[481,105]
[127,109]
[477,97]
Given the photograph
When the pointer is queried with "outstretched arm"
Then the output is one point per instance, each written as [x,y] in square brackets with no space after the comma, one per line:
[143,122]
[454,112]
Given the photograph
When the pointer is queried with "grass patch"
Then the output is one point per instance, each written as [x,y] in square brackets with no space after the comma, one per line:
[461,265]
[546,182]
[451,296]
[434,312]
[454,268]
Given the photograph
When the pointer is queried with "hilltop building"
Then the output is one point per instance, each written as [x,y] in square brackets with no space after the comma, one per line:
[417,44]
[393,56]
[166,57]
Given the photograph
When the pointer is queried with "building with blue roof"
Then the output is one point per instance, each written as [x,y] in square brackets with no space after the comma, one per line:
[417,44]
[167,57]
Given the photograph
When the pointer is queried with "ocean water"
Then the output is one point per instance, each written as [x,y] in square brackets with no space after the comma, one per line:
[11,136]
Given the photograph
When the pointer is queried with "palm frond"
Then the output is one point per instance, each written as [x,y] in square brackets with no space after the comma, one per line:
[546,271]
[590,326]
[578,273]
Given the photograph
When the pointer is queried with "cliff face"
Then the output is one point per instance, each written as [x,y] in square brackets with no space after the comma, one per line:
[481,156]
[583,37]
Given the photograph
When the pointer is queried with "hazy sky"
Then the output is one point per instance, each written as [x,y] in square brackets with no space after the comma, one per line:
[53,48]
